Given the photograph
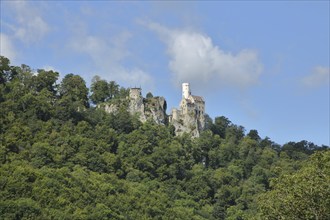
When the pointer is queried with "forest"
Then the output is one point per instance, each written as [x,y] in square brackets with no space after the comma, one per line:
[61,157]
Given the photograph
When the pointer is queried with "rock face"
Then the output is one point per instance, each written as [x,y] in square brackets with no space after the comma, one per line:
[153,108]
[112,108]
[136,106]
[188,123]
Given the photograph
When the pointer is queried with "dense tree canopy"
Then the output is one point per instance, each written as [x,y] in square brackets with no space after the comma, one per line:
[304,195]
[100,89]
[62,158]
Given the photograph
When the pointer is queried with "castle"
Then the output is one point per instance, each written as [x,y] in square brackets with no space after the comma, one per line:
[189,117]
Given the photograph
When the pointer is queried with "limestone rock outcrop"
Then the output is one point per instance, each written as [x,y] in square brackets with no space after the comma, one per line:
[149,108]
[155,109]
[136,106]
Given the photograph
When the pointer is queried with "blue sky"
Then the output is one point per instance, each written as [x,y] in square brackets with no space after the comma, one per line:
[264,65]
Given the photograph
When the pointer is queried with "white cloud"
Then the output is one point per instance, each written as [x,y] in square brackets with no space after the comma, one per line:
[195,59]
[107,55]
[6,47]
[29,27]
[320,76]
[89,44]
[133,77]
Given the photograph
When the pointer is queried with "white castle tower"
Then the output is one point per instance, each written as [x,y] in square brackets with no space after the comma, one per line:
[185,90]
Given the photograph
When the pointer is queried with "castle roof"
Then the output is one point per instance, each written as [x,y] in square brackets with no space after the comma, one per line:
[198,98]
[188,101]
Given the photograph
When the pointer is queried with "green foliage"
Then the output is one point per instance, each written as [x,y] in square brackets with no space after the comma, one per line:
[220,125]
[4,69]
[149,95]
[63,159]
[100,90]
[103,91]
[46,80]
[302,195]
[253,134]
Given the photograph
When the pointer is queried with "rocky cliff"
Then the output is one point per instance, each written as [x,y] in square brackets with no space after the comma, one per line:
[146,108]
[190,123]
[155,109]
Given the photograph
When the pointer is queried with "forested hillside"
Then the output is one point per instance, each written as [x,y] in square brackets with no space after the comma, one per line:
[63,158]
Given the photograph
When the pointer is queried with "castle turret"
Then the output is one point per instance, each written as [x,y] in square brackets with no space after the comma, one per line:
[185,90]
[135,93]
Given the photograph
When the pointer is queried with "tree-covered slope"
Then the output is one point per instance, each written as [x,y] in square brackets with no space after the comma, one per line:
[63,158]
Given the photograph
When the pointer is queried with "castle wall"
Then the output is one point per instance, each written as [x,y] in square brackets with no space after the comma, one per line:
[200,107]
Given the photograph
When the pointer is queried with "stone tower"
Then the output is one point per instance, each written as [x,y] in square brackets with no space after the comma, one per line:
[135,93]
